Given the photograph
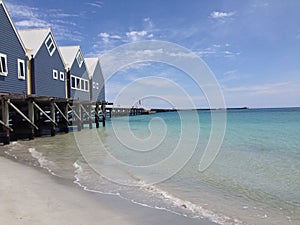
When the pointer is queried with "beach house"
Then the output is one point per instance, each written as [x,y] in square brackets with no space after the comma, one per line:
[78,86]
[97,85]
[12,56]
[46,70]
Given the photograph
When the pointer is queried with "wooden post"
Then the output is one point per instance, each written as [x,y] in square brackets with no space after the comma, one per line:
[53,117]
[31,118]
[97,115]
[90,113]
[79,119]
[103,113]
[5,119]
[66,109]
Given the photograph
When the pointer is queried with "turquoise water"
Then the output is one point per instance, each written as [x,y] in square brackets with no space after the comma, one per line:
[255,178]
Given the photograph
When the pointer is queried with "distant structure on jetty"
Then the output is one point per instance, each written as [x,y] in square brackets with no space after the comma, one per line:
[45,87]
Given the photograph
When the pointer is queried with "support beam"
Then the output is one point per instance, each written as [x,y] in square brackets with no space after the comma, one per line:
[44,113]
[62,114]
[21,114]
[6,126]
[73,111]
[86,111]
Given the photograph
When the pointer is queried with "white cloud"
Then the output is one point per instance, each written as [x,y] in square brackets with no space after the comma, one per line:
[29,17]
[21,11]
[220,15]
[106,37]
[34,22]
[136,35]
[97,4]
[262,89]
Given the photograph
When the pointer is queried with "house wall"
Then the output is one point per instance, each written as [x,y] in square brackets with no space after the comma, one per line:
[98,91]
[44,64]
[11,46]
[82,73]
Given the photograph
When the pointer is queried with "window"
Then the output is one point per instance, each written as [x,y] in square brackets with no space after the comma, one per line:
[55,74]
[50,45]
[86,85]
[73,82]
[97,86]
[21,69]
[94,84]
[3,65]
[82,84]
[79,83]
[79,58]
[62,76]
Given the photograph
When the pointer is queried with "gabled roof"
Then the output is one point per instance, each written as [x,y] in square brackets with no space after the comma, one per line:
[91,64]
[69,54]
[13,25]
[34,38]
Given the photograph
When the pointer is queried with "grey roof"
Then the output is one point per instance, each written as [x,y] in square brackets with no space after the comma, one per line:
[69,54]
[91,64]
[33,39]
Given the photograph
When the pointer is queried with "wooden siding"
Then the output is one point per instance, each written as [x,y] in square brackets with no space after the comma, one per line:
[44,64]
[98,94]
[82,73]
[11,46]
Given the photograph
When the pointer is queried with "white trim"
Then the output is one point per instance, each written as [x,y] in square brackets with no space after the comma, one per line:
[62,76]
[3,68]
[50,45]
[55,74]
[79,84]
[79,58]
[21,69]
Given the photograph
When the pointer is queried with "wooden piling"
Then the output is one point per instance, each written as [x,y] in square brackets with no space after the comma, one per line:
[5,123]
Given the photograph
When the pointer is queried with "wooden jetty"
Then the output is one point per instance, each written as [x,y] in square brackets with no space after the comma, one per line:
[29,116]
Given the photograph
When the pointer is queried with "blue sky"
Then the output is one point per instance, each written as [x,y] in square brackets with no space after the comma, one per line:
[252,47]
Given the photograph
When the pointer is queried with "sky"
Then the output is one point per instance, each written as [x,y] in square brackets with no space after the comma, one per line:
[252,47]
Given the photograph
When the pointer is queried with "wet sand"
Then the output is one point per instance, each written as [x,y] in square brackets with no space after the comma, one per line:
[32,196]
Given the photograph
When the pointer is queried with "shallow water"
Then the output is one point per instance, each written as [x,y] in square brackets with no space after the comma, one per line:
[254,179]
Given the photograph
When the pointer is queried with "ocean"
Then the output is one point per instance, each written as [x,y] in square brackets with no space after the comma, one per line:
[153,160]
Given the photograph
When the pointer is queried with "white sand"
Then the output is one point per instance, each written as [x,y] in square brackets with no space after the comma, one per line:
[30,196]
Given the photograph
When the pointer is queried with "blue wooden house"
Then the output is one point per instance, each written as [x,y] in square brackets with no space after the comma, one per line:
[12,56]
[97,84]
[46,73]
[77,74]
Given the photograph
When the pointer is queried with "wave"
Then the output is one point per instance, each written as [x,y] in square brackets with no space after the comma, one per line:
[43,162]
[157,198]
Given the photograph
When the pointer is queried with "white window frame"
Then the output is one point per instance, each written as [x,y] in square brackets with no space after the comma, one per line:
[80,84]
[86,85]
[62,76]
[55,74]
[73,86]
[20,70]
[49,46]
[79,58]
[3,68]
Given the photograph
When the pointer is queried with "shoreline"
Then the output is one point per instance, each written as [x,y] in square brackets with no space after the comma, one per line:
[30,195]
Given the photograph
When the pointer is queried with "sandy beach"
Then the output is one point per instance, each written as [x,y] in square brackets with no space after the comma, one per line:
[31,196]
